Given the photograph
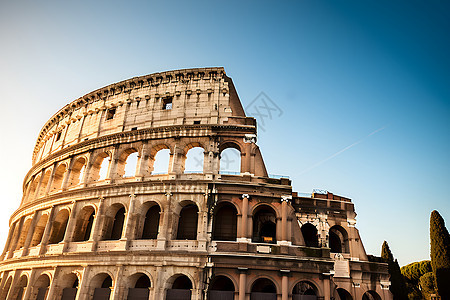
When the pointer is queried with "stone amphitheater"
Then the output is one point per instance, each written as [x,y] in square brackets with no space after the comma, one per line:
[113,209]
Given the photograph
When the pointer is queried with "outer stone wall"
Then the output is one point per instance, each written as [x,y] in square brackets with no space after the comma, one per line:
[86,229]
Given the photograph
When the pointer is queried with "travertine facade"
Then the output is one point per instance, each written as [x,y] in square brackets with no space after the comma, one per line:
[88,230]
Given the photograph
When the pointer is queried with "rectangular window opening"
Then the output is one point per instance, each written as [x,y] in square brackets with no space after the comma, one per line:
[58,136]
[167,103]
[110,113]
[196,122]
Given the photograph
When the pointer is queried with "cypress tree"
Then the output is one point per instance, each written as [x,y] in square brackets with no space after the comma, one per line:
[398,284]
[440,254]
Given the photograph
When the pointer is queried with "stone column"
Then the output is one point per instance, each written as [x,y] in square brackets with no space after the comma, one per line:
[70,226]
[14,289]
[87,170]
[83,286]
[47,230]
[67,174]
[15,237]
[326,287]
[50,180]
[112,168]
[30,289]
[127,233]
[38,187]
[242,283]
[243,236]
[164,231]
[118,290]
[97,226]
[285,239]
[284,284]
[8,241]
[142,169]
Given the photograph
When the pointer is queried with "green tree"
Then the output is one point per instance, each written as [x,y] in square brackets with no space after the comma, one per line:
[413,273]
[398,285]
[440,254]
[427,284]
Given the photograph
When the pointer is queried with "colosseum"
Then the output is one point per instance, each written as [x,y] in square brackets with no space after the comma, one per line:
[129,197]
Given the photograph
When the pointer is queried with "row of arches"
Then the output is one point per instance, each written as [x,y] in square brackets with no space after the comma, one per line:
[148,226]
[178,287]
[127,164]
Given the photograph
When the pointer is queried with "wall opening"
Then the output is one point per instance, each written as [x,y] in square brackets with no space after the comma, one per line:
[371,295]
[221,288]
[304,291]
[102,291]
[100,167]
[42,284]
[181,289]
[338,240]
[343,294]
[263,289]
[131,165]
[58,177]
[59,225]
[23,234]
[264,225]
[84,224]
[151,223]
[21,287]
[77,172]
[70,287]
[187,224]
[39,231]
[310,237]
[6,288]
[194,160]
[140,289]
[114,231]
[225,223]
[161,162]
[44,183]
[230,161]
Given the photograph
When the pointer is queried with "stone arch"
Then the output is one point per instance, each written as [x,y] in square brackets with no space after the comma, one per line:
[371,295]
[344,294]
[24,232]
[194,161]
[6,288]
[84,224]
[338,239]
[310,235]
[19,289]
[59,226]
[188,221]
[221,287]
[181,287]
[36,239]
[44,183]
[225,222]
[100,166]
[115,222]
[33,186]
[100,286]
[150,220]
[70,284]
[77,171]
[42,285]
[264,224]
[58,177]
[127,162]
[230,161]
[305,288]
[263,288]
[159,159]
[139,285]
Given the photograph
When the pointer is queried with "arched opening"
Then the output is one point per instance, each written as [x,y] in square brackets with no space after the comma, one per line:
[84,224]
[309,232]
[151,223]
[76,174]
[127,163]
[230,161]
[59,225]
[264,225]
[161,162]
[42,284]
[102,284]
[221,288]
[338,239]
[70,288]
[187,224]
[23,234]
[33,187]
[343,294]
[58,177]
[21,287]
[304,291]
[100,167]
[6,288]
[114,230]
[225,223]
[194,160]
[141,287]
[180,290]
[371,295]
[39,230]
[263,289]
[44,183]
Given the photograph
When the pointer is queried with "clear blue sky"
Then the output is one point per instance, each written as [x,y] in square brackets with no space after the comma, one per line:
[363,87]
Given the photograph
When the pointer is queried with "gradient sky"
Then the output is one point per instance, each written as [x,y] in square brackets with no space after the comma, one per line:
[362,87]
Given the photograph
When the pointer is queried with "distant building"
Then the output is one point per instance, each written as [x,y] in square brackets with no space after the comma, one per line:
[99,219]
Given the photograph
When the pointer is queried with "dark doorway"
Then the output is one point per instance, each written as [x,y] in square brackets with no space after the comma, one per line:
[151,223]
[187,225]
[225,223]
